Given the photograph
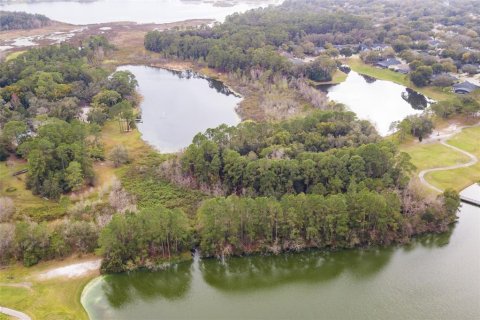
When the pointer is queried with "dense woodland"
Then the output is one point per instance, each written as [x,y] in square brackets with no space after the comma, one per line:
[321,181]
[22,20]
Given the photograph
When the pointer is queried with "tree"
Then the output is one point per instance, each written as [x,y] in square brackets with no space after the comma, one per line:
[451,201]
[421,126]
[119,155]
[7,209]
[74,176]
[15,132]
[123,82]
[321,69]
[421,76]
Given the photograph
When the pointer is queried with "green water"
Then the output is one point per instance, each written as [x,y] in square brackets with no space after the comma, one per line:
[435,277]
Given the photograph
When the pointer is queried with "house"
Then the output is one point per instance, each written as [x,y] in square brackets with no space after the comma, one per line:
[388,63]
[465,87]
[401,68]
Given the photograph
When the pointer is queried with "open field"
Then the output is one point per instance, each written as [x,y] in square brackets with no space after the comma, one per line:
[459,179]
[433,155]
[434,93]
[58,298]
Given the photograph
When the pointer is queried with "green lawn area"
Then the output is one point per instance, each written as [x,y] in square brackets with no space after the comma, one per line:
[359,66]
[54,299]
[14,55]
[425,156]
[432,155]
[459,179]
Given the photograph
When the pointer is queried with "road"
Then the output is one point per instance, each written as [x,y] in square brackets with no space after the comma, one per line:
[443,140]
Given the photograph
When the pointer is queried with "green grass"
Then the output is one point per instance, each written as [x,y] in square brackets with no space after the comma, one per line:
[459,179]
[58,298]
[425,156]
[14,55]
[359,66]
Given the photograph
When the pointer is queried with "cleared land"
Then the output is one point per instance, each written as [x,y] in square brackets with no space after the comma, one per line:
[434,155]
[57,298]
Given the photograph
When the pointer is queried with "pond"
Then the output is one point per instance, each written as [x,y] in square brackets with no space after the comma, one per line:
[381,102]
[141,11]
[178,105]
[435,277]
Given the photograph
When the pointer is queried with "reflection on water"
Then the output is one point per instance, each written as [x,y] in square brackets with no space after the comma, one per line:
[253,273]
[434,277]
[170,284]
[368,79]
[178,105]
[417,100]
[381,102]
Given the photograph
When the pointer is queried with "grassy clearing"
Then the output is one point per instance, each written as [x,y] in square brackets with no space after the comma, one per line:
[425,156]
[14,55]
[27,203]
[359,66]
[58,298]
[459,179]
[432,155]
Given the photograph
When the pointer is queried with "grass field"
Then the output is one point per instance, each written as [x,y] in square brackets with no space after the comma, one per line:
[14,55]
[58,298]
[468,140]
[359,66]
[425,156]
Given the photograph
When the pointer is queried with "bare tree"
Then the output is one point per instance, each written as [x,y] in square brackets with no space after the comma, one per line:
[7,209]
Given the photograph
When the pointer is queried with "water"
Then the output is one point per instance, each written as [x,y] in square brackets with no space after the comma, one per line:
[381,102]
[141,11]
[435,277]
[178,105]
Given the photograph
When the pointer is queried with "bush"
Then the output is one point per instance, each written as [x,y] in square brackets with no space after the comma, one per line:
[7,209]
[119,156]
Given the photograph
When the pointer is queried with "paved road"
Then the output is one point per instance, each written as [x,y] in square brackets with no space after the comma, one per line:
[14,313]
[443,140]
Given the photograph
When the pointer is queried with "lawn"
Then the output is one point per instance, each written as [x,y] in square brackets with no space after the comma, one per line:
[58,298]
[459,179]
[14,55]
[434,93]
[433,155]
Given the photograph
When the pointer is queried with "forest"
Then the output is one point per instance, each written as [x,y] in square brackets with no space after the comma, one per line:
[22,20]
[280,186]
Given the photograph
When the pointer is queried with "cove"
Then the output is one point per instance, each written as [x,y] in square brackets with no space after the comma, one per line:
[379,101]
[434,277]
[140,11]
[178,105]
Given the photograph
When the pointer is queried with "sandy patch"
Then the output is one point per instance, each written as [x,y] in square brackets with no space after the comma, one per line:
[71,271]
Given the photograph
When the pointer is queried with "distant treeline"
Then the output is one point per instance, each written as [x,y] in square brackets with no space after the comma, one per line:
[22,20]
[252,40]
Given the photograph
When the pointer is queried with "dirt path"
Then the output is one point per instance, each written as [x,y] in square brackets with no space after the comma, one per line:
[14,313]
[72,270]
[442,137]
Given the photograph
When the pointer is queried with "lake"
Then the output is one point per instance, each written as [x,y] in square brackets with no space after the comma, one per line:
[178,105]
[381,102]
[434,277]
[141,11]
